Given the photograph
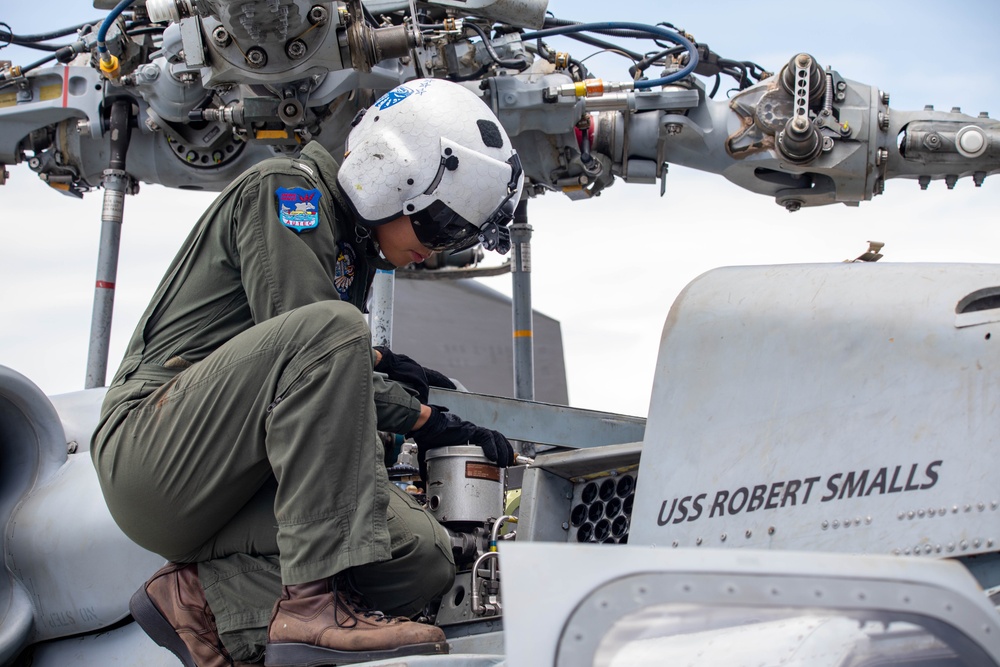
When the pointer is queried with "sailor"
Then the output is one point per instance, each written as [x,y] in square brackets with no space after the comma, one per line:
[238,439]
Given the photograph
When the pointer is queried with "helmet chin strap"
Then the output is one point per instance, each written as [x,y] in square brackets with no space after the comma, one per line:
[363,233]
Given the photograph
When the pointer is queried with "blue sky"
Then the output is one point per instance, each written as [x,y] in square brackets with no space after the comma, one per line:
[608,268]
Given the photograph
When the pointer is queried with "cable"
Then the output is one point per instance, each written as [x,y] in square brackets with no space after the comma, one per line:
[102,33]
[23,40]
[519,65]
[653,31]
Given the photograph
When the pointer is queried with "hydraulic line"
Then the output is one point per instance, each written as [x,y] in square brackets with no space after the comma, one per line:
[652,31]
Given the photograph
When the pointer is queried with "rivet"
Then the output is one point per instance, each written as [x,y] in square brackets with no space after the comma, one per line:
[836,523]
[989,542]
[906,551]
[698,541]
[900,516]
[920,513]
[981,506]
[968,508]
[895,552]
[930,511]
[770,530]
[928,549]
[723,537]
[976,542]
[954,509]
[950,547]
[748,534]
[857,521]
[963,545]
[675,544]
[994,505]
[825,525]
[868,519]
[909,514]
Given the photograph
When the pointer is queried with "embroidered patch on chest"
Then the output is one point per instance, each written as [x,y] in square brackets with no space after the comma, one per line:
[298,208]
[343,272]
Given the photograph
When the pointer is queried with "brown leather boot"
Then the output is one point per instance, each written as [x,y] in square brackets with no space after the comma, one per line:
[172,609]
[317,624]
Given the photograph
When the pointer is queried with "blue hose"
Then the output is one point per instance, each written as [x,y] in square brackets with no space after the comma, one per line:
[656,30]
[102,32]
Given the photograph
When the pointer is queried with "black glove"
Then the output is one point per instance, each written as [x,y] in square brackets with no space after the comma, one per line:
[444,429]
[402,369]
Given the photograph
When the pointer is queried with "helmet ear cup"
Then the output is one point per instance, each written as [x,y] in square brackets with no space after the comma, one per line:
[427,141]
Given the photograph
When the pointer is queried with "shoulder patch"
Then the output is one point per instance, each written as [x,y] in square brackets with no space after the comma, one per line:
[343,272]
[298,208]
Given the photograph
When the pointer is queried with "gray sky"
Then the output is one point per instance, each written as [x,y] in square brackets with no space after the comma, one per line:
[608,268]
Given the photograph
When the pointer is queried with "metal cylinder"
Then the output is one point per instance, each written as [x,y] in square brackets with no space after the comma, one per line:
[464,488]
[380,318]
[524,356]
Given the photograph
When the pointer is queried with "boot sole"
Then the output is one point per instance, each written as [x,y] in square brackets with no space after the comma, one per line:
[158,627]
[307,655]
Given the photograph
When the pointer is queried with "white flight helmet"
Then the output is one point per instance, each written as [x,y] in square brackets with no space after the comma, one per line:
[432,150]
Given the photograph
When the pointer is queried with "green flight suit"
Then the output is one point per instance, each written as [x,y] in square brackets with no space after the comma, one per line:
[240,430]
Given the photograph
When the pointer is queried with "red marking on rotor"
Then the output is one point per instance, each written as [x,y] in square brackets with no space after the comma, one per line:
[65,86]
[103,284]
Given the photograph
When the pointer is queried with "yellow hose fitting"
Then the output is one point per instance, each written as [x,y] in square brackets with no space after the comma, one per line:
[110,67]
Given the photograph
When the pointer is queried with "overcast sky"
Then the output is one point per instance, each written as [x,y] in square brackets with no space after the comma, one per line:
[608,268]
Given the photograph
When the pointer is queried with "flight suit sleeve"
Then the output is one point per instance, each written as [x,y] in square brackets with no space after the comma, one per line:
[397,409]
[282,269]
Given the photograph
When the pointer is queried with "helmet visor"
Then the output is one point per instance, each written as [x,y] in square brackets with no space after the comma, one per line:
[439,227]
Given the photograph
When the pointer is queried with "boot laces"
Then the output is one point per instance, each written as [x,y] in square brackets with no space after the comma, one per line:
[354,604]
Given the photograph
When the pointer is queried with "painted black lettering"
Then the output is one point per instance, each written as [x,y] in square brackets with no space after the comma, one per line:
[682,510]
[87,614]
[757,497]
[892,485]
[733,507]
[910,486]
[932,474]
[851,487]
[697,506]
[660,520]
[809,487]
[878,482]
[831,484]
[772,497]
[791,488]
[719,504]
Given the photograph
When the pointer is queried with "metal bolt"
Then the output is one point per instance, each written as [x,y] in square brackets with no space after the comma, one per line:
[924,182]
[841,85]
[884,96]
[932,141]
[956,109]
[256,57]
[978,178]
[674,129]
[72,446]
[220,36]
[318,15]
[883,120]
[881,156]
[950,180]
[793,205]
[296,49]
[928,107]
